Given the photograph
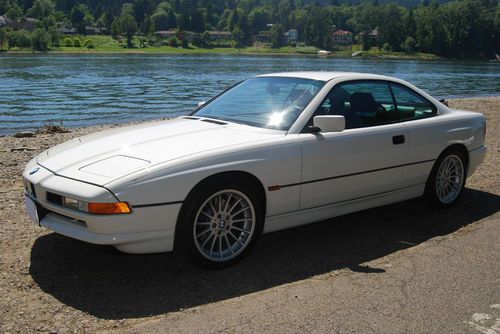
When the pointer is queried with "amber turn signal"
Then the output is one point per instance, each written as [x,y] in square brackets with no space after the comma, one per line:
[109,208]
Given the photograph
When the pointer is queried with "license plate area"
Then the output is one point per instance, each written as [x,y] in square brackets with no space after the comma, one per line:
[31,209]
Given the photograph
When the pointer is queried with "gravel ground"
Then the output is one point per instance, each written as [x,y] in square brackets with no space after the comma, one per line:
[49,283]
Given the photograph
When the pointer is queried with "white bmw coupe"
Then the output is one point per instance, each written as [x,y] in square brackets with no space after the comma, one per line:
[273,152]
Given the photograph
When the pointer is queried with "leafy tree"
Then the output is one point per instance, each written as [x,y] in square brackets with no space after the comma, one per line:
[392,30]
[197,21]
[78,15]
[40,40]
[41,9]
[126,23]
[185,43]
[3,38]
[276,35]
[163,18]
[409,45]
[410,25]
[55,36]
[238,37]
[233,20]
[13,11]
[243,27]
[365,41]
[19,38]
[258,19]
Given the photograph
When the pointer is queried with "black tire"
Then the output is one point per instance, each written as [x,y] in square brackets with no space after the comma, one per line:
[222,230]
[455,182]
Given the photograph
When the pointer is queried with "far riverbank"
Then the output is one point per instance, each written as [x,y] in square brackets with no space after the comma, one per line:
[107,45]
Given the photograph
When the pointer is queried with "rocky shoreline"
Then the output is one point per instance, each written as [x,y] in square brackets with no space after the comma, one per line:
[27,307]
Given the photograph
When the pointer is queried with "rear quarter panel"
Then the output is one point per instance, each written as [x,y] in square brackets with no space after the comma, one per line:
[428,138]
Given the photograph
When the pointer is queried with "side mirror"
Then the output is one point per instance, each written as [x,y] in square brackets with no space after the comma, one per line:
[201,103]
[329,123]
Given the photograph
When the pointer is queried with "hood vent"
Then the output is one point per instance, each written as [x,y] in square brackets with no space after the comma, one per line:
[214,121]
[190,117]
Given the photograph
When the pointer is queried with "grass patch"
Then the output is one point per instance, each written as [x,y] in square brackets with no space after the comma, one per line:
[106,44]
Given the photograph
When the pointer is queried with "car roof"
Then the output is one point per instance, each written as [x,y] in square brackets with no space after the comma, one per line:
[326,76]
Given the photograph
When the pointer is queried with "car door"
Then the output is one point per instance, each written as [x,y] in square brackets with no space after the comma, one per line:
[423,133]
[365,159]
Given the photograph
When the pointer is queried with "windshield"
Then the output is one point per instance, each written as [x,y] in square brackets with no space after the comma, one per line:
[265,102]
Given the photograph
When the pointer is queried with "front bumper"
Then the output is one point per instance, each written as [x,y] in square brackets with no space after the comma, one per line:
[145,230]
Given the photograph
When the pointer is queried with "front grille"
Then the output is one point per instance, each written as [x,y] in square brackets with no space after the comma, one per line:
[54,198]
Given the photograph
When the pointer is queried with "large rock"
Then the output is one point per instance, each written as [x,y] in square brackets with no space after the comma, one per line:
[24,134]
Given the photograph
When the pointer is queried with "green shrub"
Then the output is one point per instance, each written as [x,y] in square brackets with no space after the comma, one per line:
[409,45]
[87,42]
[386,47]
[19,38]
[68,42]
[90,45]
[185,43]
[173,42]
[77,42]
[40,40]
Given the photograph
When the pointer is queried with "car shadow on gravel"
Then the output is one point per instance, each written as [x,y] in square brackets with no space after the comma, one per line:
[115,286]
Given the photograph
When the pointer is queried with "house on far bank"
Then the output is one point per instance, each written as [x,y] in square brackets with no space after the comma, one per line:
[2,21]
[66,30]
[89,30]
[262,37]
[174,33]
[291,35]
[374,36]
[166,33]
[217,36]
[342,38]
[27,23]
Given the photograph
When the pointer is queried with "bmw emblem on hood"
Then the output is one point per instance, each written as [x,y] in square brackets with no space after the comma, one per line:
[34,171]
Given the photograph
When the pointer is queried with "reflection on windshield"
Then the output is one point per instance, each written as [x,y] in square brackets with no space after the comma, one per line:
[266,102]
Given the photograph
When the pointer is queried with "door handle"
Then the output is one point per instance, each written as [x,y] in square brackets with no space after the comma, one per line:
[396,140]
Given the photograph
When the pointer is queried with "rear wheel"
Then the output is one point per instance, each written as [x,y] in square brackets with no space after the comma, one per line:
[447,179]
[220,223]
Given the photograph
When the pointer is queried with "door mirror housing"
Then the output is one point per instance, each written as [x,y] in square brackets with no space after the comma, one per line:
[329,123]
[201,103]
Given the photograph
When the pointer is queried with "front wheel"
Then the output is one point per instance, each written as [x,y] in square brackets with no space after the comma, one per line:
[447,179]
[221,223]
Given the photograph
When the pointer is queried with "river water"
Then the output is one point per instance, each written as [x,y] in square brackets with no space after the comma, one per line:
[82,90]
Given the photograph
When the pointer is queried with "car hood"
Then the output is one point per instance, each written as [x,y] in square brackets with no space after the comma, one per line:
[106,156]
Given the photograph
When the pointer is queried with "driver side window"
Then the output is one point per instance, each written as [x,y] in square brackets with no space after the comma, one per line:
[362,103]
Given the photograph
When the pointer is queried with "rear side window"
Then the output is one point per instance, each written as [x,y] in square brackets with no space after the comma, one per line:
[410,105]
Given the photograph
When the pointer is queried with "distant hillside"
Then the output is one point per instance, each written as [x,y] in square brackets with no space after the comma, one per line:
[461,28]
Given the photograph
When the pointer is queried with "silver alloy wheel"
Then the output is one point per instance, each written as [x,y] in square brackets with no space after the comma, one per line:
[449,179]
[224,225]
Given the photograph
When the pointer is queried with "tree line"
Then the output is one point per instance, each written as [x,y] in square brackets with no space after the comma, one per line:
[464,28]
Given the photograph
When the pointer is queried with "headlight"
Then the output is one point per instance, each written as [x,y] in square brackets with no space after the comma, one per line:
[96,208]
[75,204]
